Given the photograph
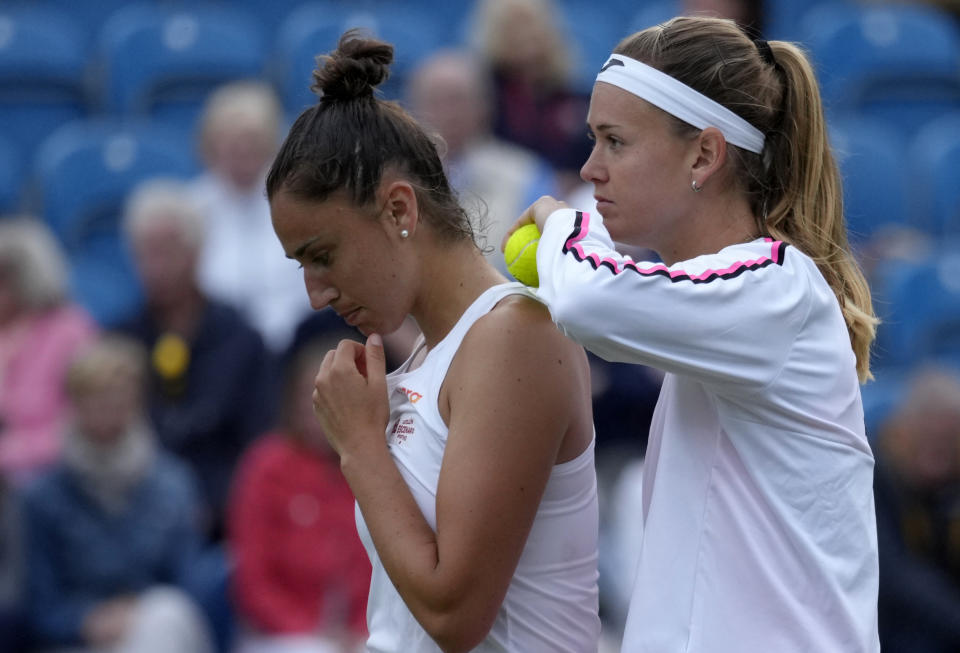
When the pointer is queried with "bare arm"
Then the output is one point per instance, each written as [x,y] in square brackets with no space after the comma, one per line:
[513,391]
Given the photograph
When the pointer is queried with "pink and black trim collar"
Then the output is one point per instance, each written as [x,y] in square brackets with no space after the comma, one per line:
[582,225]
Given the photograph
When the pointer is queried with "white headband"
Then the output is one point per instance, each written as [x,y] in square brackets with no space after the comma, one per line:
[678,99]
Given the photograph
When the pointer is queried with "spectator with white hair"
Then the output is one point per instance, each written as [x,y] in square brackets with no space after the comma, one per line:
[451,92]
[211,377]
[242,262]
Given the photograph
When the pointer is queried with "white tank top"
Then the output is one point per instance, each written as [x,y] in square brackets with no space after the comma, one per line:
[552,602]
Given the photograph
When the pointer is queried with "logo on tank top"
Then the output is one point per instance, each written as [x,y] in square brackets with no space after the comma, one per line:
[412,396]
[402,430]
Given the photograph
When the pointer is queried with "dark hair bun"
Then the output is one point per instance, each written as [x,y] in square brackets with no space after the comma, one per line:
[354,69]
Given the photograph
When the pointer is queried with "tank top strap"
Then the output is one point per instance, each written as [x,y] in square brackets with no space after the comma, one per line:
[438,360]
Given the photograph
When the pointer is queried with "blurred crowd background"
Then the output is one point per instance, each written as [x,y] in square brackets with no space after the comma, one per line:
[163,486]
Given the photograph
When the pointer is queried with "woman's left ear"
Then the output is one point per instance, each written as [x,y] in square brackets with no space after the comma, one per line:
[401,209]
[710,155]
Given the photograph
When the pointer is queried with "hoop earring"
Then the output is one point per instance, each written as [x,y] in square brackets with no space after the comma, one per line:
[693,185]
[404,233]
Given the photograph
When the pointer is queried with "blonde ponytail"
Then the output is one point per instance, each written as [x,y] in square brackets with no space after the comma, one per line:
[805,206]
[794,187]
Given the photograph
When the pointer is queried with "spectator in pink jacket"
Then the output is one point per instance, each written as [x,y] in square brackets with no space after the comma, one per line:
[40,329]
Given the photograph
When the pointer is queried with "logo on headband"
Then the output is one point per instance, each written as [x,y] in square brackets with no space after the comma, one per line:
[612,62]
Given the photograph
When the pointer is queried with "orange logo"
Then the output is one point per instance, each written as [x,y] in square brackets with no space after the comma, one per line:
[414,397]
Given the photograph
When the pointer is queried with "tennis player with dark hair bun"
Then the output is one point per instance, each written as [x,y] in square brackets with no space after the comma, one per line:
[472,464]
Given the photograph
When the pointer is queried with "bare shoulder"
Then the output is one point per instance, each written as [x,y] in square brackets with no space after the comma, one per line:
[517,350]
[522,328]
[524,316]
[517,359]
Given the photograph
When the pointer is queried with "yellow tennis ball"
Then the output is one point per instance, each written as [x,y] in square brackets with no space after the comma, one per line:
[521,255]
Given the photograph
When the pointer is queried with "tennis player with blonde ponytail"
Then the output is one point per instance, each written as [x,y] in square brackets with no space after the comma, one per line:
[711,150]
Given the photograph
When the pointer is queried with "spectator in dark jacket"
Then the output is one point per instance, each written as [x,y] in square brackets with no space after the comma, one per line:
[112,531]
[11,571]
[918,518]
[211,377]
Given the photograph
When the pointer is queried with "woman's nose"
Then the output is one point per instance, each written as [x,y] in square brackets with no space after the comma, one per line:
[320,292]
[590,171]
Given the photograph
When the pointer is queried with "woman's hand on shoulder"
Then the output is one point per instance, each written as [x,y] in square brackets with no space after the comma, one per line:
[537,213]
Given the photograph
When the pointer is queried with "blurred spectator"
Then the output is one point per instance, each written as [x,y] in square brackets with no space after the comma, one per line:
[212,380]
[624,395]
[397,345]
[301,575]
[918,518]
[319,324]
[11,571]
[749,14]
[620,530]
[496,180]
[535,102]
[112,531]
[40,329]
[242,262]
[951,7]
[887,251]
[948,7]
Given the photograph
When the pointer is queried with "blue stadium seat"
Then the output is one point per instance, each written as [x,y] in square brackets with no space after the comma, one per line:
[594,35]
[450,16]
[415,31]
[12,176]
[919,303]
[43,58]
[315,28]
[881,397]
[446,16]
[614,7]
[89,15]
[270,15]
[653,13]
[162,60]
[900,63]
[934,163]
[870,155]
[784,19]
[83,174]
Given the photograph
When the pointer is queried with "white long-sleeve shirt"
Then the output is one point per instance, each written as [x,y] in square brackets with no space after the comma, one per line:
[759,532]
